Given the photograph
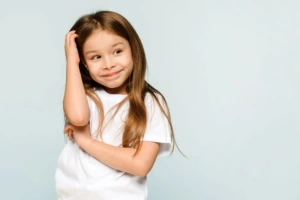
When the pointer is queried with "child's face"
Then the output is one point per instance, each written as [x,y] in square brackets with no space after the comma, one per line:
[109,61]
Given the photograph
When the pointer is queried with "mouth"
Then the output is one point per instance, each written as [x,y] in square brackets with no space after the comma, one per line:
[111,74]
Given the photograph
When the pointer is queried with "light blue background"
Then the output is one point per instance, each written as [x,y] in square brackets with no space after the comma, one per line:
[229,70]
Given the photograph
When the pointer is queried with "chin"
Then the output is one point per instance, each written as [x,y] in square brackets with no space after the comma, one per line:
[115,88]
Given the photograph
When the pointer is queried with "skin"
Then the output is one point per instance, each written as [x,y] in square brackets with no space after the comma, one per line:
[77,112]
[109,61]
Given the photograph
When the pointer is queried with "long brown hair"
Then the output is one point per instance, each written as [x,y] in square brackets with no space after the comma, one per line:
[137,87]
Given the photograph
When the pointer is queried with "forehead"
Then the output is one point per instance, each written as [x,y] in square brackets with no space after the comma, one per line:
[103,39]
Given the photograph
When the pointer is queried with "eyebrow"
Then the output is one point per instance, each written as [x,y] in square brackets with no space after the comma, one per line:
[95,51]
[117,44]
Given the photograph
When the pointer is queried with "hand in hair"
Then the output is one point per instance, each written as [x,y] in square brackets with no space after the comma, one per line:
[71,50]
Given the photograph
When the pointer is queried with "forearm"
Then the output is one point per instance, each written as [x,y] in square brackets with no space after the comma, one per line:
[75,103]
[120,158]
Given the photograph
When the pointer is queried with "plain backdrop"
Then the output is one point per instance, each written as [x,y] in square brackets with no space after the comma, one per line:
[228,69]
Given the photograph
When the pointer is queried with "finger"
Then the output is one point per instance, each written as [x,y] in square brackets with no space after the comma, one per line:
[69,132]
[72,34]
[67,38]
[68,126]
[72,40]
[66,129]
[70,135]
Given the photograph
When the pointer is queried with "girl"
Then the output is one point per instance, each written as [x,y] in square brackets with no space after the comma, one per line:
[117,122]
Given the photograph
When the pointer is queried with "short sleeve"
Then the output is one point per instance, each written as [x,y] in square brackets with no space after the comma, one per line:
[158,129]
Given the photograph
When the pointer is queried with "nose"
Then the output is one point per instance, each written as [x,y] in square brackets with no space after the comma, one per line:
[108,62]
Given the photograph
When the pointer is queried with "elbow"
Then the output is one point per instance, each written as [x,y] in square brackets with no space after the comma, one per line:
[78,116]
[142,174]
[78,120]
[143,170]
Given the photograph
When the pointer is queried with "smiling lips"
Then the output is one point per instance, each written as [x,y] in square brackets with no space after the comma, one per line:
[111,74]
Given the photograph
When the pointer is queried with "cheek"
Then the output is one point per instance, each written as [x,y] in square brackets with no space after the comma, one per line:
[128,61]
[92,66]
[92,71]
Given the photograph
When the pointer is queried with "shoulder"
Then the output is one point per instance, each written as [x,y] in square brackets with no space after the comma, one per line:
[154,98]
[155,103]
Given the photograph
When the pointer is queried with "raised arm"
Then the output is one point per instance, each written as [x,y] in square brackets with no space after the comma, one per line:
[75,102]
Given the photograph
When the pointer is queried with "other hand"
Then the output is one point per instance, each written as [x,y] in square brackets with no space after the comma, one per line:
[81,134]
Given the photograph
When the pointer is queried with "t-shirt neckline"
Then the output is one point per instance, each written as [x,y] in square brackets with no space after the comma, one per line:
[112,96]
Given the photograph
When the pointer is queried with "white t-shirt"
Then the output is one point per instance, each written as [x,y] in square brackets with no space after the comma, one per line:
[79,176]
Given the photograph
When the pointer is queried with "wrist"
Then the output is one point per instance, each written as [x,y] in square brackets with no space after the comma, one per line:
[72,64]
[86,143]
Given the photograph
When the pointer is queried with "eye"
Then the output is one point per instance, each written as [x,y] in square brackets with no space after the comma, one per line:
[117,51]
[96,57]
